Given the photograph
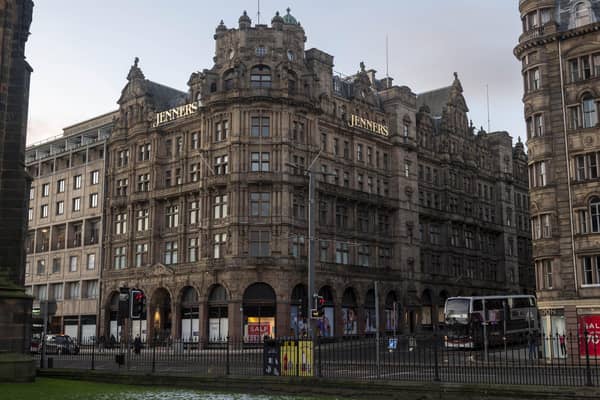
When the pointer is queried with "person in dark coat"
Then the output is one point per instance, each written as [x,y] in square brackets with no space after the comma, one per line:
[137,344]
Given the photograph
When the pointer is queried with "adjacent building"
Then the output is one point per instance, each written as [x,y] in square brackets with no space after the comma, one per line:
[64,237]
[560,58]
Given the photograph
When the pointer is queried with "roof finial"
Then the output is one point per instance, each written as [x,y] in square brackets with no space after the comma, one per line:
[136,61]
[362,66]
[288,10]
[455,75]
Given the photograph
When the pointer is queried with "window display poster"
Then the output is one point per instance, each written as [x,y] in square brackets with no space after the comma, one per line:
[257,328]
[325,324]
[350,321]
[591,324]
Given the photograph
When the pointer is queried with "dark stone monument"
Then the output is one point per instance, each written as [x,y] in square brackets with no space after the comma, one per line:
[15,304]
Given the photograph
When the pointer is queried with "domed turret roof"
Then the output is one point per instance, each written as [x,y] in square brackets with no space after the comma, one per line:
[289,18]
[245,18]
[277,18]
[221,27]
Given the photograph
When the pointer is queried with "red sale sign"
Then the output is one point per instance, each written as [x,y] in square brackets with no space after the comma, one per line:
[257,331]
[591,325]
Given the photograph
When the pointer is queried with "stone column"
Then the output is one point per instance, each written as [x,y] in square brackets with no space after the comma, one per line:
[282,319]
[235,321]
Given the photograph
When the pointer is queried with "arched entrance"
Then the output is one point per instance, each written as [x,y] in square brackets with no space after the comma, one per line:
[259,305]
[392,313]
[370,312]
[161,319]
[114,319]
[326,326]
[189,310]
[426,309]
[349,312]
[298,311]
[218,322]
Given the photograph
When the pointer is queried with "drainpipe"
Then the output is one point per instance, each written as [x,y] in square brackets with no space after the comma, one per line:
[564,112]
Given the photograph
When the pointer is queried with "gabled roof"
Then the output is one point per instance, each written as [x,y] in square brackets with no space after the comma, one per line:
[164,97]
[436,100]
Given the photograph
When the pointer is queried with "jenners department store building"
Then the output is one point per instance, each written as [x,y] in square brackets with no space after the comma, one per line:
[206,206]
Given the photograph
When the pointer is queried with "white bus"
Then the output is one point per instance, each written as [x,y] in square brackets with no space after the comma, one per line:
[510,318]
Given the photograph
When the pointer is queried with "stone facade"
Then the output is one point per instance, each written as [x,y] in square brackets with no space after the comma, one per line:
[64,237]
[560,59]
[207,197]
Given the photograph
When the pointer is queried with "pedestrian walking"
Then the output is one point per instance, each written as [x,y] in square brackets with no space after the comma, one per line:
[563,344]
[137,345]
[532,346]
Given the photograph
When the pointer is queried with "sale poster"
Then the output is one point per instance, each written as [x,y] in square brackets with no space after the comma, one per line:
[591,325]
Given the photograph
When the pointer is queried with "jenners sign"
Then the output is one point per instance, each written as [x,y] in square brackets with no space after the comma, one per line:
[372,126]
[175,113]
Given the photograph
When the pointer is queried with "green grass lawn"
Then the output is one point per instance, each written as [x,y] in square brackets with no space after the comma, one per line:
[57,389]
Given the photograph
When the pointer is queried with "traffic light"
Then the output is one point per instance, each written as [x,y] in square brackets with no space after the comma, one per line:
[317,311]
[138,303]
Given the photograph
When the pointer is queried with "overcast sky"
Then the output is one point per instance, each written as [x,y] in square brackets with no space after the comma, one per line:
[81,51]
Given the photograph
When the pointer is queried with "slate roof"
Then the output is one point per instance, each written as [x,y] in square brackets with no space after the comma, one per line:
[436,100]
[163,96]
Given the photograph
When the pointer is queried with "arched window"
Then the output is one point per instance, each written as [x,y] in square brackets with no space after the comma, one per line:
[260,77]
[595,214]
[582,15]
[228,80]
[590,117]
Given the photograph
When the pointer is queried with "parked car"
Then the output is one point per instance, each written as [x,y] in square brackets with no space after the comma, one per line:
[61,344]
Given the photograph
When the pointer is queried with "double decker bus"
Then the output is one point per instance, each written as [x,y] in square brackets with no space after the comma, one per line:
[510,318]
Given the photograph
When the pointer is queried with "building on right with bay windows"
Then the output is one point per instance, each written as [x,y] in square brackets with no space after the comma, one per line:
[560,58]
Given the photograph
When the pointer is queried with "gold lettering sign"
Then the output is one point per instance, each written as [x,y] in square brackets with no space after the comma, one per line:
[174,113]
[371,126]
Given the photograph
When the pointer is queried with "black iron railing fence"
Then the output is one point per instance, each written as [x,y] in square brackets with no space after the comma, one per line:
[566,360]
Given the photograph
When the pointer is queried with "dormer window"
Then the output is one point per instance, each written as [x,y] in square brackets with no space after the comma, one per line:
[260,77]
[228,80]
[582,15]
[261,51]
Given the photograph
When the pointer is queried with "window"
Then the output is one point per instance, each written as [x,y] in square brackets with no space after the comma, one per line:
[30,214]
[168,181]
[91,261]
[142,220]
[537,174]
[297,245]
[178,178]
[144,152]
[341,253]
[323,142]
[360,182]
[195,142]
[122,158]
[90,289]
[194,212]
[260,204]
[72,290]
[260,51]
[94,200]
[178,145]
[535,126]
[171,253]
[77,204]
[73,261]
[346,149]
[172,216]
[121,223]
[260,76]
[363,220]
[260,127]
[590,118]
[45,190]
[41,267]
[60,186]
[141,254]
[32,193]
[143,183]
[299,207]
[222,165]
[359,152]
[220,239]
[469,242]
[260,243]
[364,255]
[545,266]
[591,270]
[385,256]
[194,172]
[259,162]
[77,182]
[56,291]
[60,207]
[532,79]
[221,131]
[595,214]
[122,186]
[341,217]
[336,147]
[94,177]
[323,251]
[434,234]
[369,155]
[192,249]
[220,206]
[346,180]
[574,117]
